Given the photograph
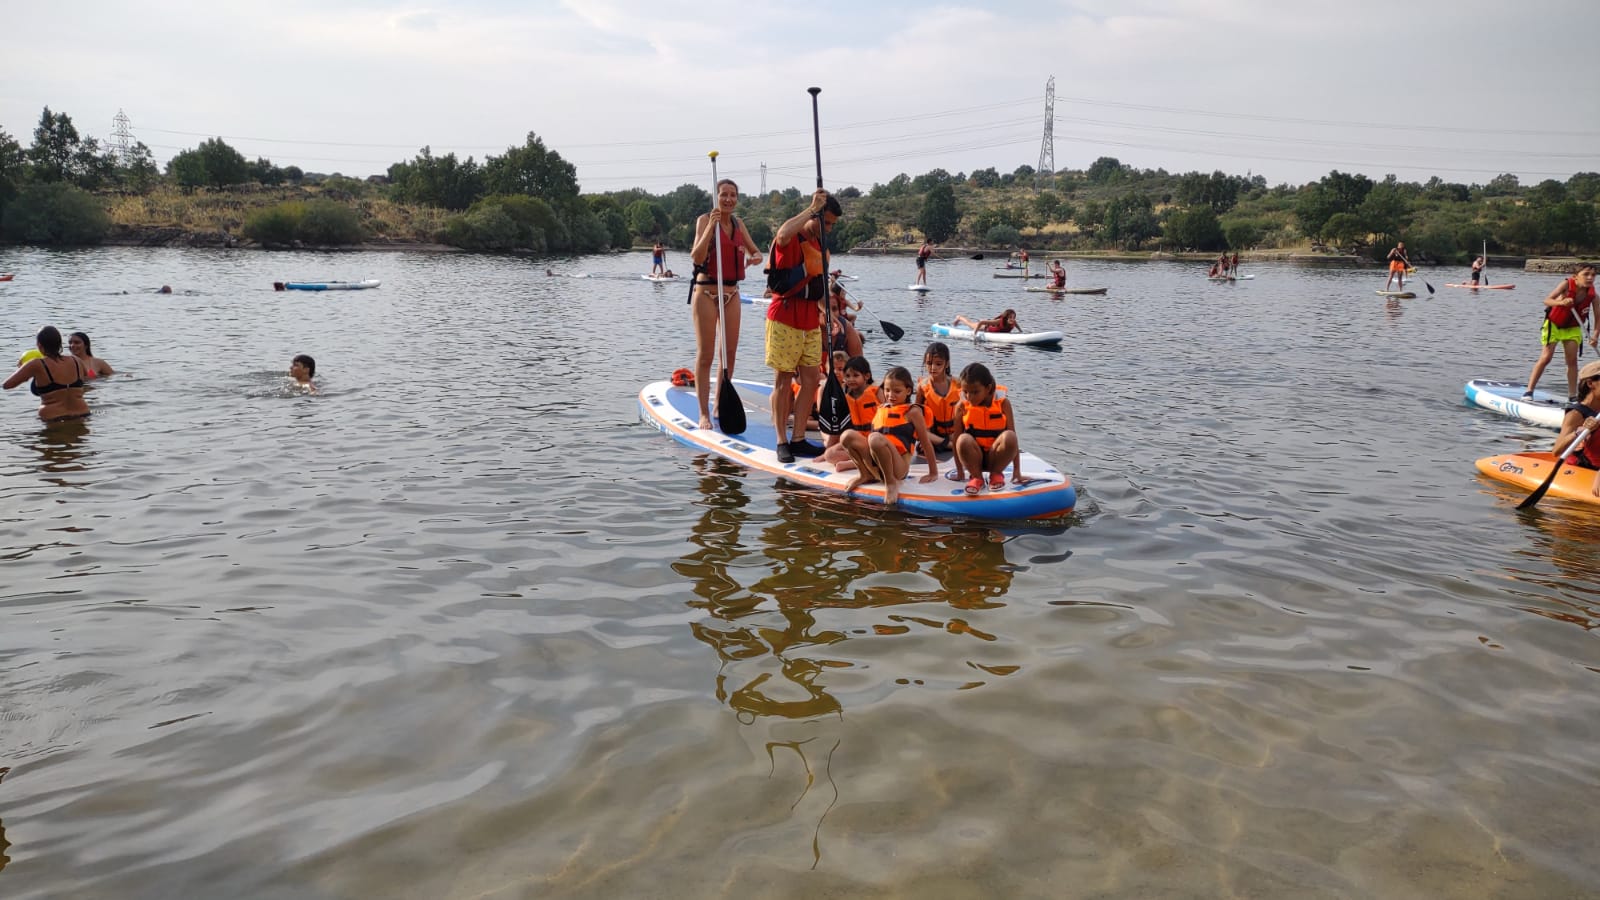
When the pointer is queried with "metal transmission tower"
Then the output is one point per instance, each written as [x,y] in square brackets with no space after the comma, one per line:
[763,180]
[1047,147]
[122,136]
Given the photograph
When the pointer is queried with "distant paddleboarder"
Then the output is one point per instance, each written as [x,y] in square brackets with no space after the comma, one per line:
[1398,264]
[923,255]
[1477,270]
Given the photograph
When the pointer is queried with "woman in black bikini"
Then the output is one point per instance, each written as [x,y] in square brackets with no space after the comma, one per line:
[57,379]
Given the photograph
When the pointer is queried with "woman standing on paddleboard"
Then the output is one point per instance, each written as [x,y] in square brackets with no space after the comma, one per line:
[1566,309]
[738,252]
[1398,264]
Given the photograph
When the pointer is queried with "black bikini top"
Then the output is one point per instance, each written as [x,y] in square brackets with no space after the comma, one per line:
[39,390]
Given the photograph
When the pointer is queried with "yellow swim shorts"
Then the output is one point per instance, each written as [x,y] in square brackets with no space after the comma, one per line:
[789,348]
[1550,333]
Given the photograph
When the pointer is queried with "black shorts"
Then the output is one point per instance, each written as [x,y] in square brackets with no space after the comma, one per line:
[922,262]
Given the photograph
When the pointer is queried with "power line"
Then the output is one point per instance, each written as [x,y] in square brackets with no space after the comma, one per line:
[1330,122]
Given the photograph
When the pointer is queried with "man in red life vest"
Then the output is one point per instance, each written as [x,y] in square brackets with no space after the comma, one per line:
[794,321]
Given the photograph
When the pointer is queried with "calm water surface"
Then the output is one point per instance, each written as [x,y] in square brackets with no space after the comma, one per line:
[462,627]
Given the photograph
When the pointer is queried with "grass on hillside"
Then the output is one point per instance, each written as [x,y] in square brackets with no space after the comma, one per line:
[216,211]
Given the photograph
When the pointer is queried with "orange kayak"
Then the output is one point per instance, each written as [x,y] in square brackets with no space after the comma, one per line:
[1529,470]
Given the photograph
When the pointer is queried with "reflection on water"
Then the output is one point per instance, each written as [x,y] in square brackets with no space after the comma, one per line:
[1566,538]
[62,449]
[779,636]
[442,634]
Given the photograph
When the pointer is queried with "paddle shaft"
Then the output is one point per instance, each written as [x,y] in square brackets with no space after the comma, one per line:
[895,332]
[833,412]
[730,409]
[1560,460]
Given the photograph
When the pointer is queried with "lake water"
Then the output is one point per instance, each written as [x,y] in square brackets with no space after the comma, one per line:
[463,627]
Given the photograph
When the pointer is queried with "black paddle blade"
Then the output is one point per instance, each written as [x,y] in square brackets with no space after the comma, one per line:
[977,256]
[833,410]
[895,332]
[1543,489]
[730,409]
[1427,285]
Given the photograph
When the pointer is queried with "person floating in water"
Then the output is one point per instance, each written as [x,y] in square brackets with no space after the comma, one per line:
[302,369]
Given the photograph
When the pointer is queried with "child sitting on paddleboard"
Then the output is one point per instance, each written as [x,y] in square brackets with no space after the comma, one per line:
[1584,414]
[884,453]
[1005,322]
[862,395]
[986,432]
[939,394]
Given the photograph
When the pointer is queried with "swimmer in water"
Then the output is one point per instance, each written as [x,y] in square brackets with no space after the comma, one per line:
[57,379]
[93,366]
[302,369]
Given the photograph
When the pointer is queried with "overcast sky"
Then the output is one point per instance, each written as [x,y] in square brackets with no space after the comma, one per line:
[635,94]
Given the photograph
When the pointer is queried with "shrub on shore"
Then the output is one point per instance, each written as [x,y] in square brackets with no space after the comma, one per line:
[311,222]
[55,213]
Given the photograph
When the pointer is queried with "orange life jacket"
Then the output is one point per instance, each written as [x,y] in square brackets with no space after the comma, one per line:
[863,409]
[891,422]
[940,409]
[986,423]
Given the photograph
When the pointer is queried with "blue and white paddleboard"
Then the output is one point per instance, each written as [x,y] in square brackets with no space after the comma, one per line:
[1035,338]
[1046,494]
[1505,397]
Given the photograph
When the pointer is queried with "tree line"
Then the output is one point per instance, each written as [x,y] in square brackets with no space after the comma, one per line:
[528,198]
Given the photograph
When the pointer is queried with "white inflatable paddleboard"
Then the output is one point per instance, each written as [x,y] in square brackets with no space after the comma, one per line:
[1047,493]
[919,288]
[1505,397]
[1034,338]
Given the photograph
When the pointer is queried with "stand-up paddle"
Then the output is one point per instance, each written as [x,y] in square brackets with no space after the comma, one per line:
[1560,460]
[730,409]
[833,409]
[895,332]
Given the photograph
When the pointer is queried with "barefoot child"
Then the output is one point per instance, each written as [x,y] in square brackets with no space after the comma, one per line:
[862,396]
[939,393]
[884,454]
[986,439]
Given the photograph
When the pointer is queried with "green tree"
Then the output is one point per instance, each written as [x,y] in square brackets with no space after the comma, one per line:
[854,230]
[1345,230]
[647,220]
[1505,185]
[898,186]
[55,145]
[939,215]
[13,168]
[140,173]
[1131,220]
[984,178]
[1195,228]
[1106,170]
[1384,210]
[685,204]
[187,169]
[440,181]
[617,233]
[1046,205]
[1548,192]
[55,213]
[1584,186]
[930,180]
[1571,225]
[1242,234]
[265,172]
[533,170]
[223,164]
